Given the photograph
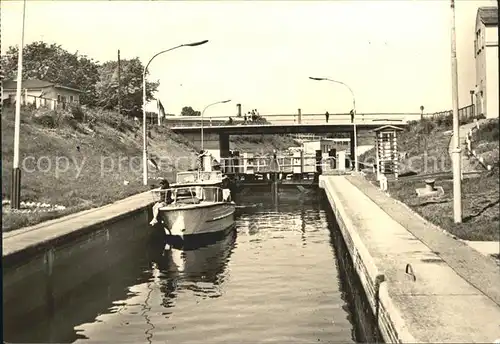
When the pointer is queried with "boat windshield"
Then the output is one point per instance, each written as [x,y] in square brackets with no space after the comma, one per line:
[195,176]
[196,194]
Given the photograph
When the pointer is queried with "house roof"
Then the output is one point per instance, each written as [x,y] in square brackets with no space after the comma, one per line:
[385,127]
[488,15]
[35,83]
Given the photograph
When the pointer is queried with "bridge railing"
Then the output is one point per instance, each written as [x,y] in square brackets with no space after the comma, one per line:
[284,164]
[280,119]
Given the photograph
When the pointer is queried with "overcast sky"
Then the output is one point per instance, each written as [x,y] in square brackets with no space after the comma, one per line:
[395,55]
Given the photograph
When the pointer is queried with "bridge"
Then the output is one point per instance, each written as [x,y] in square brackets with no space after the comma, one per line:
[281,119]
[217,136]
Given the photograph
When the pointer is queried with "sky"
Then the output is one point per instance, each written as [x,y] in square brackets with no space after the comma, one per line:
[394,55]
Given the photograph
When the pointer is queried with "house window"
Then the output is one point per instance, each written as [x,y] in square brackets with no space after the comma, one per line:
[58,98]
[71,99]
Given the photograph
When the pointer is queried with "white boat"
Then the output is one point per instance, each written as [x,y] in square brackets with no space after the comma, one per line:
[200,203]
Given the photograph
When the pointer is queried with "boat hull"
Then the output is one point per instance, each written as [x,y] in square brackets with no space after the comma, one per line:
[197,219]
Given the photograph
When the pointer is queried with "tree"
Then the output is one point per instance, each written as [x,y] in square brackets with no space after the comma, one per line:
[131,86]
[53,63]
[188,111]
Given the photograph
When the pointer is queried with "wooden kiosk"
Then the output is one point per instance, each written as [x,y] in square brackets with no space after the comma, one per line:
[386,148]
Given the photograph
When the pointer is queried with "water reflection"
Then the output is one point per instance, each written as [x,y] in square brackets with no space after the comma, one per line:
[198,266]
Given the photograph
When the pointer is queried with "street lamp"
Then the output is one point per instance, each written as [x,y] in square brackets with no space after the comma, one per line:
[144,131]
[356,166]
[15,192]
[457,184]
[203,112]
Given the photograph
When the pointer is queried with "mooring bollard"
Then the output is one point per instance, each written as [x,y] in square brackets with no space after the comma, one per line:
[429,185]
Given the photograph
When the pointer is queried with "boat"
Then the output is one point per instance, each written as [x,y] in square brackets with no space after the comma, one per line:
[199,203]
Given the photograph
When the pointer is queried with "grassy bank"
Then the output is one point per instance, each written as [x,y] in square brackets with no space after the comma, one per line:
[82,160]
[424,148]
[426,145]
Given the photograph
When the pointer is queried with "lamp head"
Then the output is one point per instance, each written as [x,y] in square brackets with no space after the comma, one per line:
[312,78]
[195,43]
[226,101]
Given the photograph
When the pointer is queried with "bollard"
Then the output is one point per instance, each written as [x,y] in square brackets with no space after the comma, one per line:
[409,271]
[429,185]
[383,182]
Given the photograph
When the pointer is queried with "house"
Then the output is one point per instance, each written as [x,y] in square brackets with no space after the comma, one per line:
[486,56]
[40,93]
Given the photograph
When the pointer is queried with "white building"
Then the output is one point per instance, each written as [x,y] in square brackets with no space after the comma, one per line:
[486,55]
[40,93]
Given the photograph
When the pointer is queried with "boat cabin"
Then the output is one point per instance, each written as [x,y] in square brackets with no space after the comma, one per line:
[195,194]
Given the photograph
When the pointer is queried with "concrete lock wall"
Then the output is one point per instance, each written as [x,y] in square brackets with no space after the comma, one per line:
[59,267]
[387,317]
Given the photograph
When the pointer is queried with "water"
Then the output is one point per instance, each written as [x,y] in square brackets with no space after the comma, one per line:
[275,278]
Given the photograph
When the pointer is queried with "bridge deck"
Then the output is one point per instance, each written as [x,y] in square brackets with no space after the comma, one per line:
[289,128]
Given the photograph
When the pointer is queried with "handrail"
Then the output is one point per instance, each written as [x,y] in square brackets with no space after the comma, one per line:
[303,115]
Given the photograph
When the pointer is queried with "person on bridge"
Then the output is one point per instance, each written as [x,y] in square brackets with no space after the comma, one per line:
[327,116]
[254,116]
[163,201]
[352,116]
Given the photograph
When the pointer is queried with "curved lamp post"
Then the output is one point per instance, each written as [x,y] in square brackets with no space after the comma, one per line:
[144,131]
[356,167]
[203,112]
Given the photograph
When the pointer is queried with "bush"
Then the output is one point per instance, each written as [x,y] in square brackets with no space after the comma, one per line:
[77,112]
[489,131]
[445,121]
[112,119]
[46,120]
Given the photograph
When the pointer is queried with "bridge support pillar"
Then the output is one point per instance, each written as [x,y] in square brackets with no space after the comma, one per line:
[224,147]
